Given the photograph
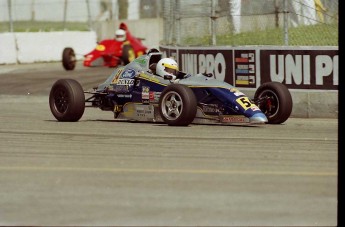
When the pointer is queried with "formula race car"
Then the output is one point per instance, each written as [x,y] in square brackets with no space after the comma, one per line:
[136,92]
[110,52]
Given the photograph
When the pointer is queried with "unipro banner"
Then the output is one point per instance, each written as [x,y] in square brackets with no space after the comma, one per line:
[219,62]
[249,67]
[301,69]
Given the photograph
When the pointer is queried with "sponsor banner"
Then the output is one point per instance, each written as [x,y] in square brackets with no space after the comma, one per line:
[296,67]
[301,69]
[217,62]
[245,68]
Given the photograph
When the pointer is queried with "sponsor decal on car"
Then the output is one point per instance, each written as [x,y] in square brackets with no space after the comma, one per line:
[128,74]
[116,76]
[124,95]
[144,111]
[125,82]
[255,108]
[234,119]
[236,92]
[210,108]
[145,94]
[141,61]
[154,96]
[120,89]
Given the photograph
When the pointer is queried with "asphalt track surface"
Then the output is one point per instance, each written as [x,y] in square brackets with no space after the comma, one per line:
[99,171]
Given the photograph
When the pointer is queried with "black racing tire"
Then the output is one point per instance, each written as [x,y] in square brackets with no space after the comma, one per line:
[177,105]
[68,58]
[275,101]
[128,54]
[67,100]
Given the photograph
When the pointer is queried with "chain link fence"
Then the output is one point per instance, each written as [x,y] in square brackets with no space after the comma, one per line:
[71,15]
[187,22]
[47,15]
[250,22]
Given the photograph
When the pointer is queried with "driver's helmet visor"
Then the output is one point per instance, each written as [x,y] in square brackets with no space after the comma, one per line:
[171,69]
[119,36]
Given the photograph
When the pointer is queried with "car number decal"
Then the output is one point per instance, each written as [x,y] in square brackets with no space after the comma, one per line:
[245,103]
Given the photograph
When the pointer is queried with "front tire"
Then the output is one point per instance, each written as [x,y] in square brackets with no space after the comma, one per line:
[177,105]
[275,101]
[67,100]
[68,58]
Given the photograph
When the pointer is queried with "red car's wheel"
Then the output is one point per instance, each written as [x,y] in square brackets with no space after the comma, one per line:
[68,58]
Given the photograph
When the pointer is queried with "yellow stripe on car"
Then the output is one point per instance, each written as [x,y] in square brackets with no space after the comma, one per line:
[170,66]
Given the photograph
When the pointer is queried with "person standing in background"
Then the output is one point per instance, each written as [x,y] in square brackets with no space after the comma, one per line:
[303,13]
[106,12]
[320,10]
[235,13]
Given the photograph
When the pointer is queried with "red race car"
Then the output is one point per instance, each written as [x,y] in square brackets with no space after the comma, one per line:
[109,52]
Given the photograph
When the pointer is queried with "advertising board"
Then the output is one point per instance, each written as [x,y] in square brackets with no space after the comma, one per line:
[296,67]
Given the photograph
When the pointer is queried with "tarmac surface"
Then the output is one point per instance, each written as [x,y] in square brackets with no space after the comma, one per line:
[99,171]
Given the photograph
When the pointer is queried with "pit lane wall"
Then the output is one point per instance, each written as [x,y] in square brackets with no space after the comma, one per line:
[310,73]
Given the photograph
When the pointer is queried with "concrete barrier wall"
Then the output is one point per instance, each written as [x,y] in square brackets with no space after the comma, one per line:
[8,50]
[30,47]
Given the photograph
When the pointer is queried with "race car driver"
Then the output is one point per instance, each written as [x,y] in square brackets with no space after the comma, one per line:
[120,35]
[167,67]
[128,54]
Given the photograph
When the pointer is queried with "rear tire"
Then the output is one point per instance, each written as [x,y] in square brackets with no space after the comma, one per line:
[276,102]
[177,105]
[68,58]
[67,100]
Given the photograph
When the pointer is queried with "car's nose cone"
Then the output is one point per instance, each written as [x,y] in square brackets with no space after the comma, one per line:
[258,118]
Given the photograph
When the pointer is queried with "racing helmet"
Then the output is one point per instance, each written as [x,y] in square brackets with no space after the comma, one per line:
[120,35]
[167,66]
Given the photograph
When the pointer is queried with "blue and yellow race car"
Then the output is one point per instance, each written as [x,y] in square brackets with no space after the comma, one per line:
[151,89]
